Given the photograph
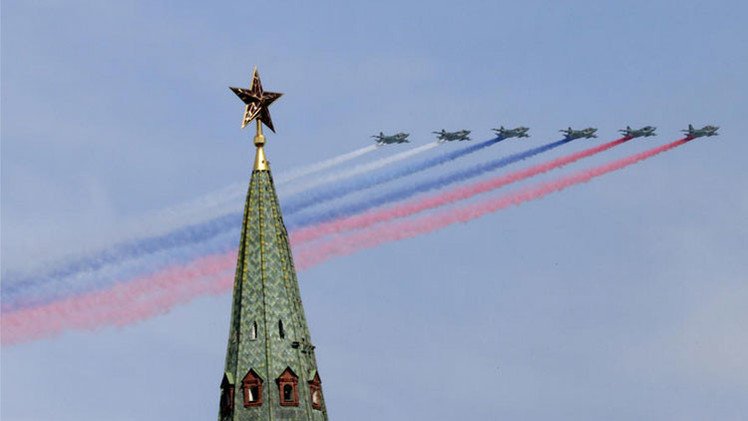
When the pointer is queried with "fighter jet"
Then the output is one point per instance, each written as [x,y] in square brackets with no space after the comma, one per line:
[704,131]
[445,136]
[515,132]
[388,140]
[645,131]
[571,134]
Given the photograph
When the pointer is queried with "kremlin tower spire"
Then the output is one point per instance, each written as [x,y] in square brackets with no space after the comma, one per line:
[271,370]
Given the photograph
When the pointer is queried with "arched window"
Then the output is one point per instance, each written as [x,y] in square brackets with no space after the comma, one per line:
[252,388]
[253,331]
[288,388]
[281,331]
[317,399]
[315,391]
[287,392]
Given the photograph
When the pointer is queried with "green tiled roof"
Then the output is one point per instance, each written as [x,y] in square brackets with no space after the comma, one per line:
[266,294]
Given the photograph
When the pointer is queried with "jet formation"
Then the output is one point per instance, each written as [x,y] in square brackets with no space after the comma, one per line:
[645,131]
[515,132]
[704,131]
[570,134]
[445,136]
[383,139]
[520,132]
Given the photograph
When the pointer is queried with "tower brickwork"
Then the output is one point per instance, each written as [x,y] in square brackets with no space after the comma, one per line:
[271,369]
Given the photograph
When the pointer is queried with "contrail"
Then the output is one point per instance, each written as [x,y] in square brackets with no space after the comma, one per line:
[154,253]
[314,197]
[125,303]
[38,294]
[403,193]
[224,200]
[363,168]
[311,233]
[144,297]
[185,223]
[183,250]
[195,217]
[229,198]
[323,165]
[199,232]
[399,230]
[116,255]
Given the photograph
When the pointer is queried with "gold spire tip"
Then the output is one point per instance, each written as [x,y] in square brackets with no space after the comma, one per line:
[261,162]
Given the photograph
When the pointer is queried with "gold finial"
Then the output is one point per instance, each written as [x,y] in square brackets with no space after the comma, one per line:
[261,162]
[257,102]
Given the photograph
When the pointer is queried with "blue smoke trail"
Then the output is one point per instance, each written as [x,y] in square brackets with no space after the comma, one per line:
[302,221]
[40,293]
[128,250]
[136,252]
[302,202]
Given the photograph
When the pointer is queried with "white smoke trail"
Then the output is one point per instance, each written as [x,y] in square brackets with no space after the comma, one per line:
[220,203]
[224,200]
[323,165]
[197,210]
[361,169]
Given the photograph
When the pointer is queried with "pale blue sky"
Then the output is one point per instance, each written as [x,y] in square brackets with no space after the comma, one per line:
[620,299]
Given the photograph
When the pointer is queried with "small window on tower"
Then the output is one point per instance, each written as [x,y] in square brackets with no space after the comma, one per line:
[253,393]
[317,399]
[281,331]
[227,394]
[288,388]
[253,331]
[287,392]
[315,390]
[252,388]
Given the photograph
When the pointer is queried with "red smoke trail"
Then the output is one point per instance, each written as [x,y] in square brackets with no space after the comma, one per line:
[364,220]
[410,228]
[136,300]
[126,303]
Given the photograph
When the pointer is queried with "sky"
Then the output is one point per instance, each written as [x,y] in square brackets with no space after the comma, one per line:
[623,298]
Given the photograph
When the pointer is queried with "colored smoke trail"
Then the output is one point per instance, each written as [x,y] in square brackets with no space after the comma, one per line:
[364,220]
[193,233]
[125,251]
[107,276]
[400,230]
[323,165]
[229,198]
[299,222]
[335,192]
[364,168]
[167,228]
[224,200]
[145,297]
[35,295]
[125,303]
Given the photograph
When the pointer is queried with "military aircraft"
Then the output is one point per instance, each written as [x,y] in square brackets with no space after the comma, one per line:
[388,140]
[587,133]
[445,136]
[645,131]
[704,131]
[507,133]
